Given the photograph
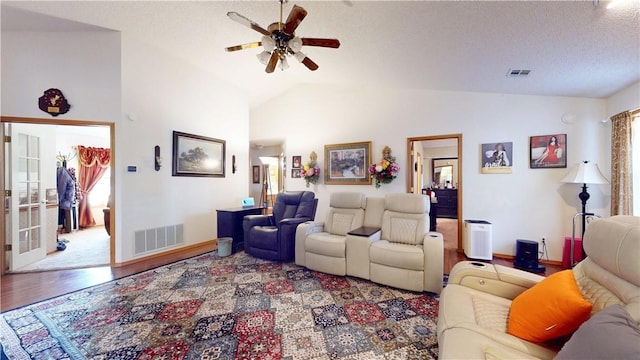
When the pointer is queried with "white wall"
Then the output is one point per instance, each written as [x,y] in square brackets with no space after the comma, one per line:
[108,76]
[527,204]
[625,99]
[161,94]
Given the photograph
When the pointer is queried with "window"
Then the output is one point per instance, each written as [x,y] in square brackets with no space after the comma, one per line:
[99,196]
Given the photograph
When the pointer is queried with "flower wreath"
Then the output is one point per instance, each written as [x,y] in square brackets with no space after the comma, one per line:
[310,171]
[384,171]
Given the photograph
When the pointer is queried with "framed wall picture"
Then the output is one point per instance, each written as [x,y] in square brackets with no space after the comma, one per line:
[346,164]
[496,158]
[295,173]
[195,155]
[255,174]
[548,151]
[296,162]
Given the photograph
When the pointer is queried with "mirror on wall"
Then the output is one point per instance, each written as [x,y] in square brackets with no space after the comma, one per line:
[444,171]
[443,176]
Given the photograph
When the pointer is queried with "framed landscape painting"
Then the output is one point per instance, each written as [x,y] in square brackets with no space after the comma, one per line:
[195,155]
[347,164]
[548,151]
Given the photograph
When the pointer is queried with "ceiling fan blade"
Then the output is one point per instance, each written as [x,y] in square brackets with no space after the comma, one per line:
[273,61]
[309,64]
[295,18]
[330,43]
[246,22]
[244,46]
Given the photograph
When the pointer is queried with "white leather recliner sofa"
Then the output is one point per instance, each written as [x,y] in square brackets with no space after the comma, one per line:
[323,246]
[393,247]
[474,306]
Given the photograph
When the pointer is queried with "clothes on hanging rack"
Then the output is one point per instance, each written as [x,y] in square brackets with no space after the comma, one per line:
[66,194]
[77,193]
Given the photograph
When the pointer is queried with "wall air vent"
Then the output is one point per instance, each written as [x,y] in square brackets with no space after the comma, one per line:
[518,73]
[157,238]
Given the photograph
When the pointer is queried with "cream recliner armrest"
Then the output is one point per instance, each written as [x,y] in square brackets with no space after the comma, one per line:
[358,254]
[433,247]
[493,279]
[304,230]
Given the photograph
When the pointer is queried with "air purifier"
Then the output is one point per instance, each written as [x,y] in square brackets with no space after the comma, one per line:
[476,239]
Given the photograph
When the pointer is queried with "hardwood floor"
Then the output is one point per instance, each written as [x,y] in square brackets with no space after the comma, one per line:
[23,289]
[18,290]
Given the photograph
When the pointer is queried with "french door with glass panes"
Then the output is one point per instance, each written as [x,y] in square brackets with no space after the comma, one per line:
[27,200]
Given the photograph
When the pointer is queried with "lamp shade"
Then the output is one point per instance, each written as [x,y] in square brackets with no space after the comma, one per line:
[295,44]
[585,173]
[264,57]
[268,43]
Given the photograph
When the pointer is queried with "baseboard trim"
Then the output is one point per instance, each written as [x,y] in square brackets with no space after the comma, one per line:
[504,256]
[511,257]
[202,244]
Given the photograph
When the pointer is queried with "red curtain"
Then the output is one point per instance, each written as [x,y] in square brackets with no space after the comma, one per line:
[93,163]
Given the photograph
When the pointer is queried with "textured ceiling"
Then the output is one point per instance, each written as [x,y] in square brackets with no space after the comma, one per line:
[573,48]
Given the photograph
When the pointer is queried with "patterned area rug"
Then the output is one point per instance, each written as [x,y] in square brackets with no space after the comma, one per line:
[235,307]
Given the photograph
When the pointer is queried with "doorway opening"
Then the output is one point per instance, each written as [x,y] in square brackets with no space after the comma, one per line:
[52,148]
[434,167]
[267,162]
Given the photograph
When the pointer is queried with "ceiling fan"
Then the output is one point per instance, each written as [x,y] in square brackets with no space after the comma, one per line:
[279,40]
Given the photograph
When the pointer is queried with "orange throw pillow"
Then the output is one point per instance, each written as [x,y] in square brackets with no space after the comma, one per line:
[552,308]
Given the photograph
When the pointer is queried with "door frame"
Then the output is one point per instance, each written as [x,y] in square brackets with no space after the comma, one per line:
[46,121]
[458,137]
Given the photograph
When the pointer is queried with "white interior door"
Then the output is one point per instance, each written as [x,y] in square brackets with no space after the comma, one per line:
[28,203]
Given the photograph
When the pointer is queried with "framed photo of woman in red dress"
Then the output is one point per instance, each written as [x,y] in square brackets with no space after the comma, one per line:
[548,151]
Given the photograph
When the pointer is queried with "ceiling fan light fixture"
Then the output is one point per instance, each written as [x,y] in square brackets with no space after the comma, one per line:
[268,43]
[284,64]
[295,44]
[264,57]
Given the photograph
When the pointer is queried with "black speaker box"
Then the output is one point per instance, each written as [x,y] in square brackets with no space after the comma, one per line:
[527,256]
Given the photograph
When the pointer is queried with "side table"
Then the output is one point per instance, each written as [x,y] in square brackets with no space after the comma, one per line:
[230,224]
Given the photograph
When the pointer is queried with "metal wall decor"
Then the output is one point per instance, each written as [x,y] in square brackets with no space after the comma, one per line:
[53,102]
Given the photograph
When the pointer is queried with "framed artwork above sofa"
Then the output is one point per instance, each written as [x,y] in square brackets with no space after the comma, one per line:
[347,164]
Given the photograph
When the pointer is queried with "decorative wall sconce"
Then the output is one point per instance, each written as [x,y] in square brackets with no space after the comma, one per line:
[157,158]
[234,167]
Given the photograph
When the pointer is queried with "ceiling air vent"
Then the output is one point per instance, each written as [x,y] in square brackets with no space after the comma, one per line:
[518,73]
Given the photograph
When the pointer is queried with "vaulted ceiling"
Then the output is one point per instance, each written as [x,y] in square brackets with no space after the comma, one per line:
[573,48]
